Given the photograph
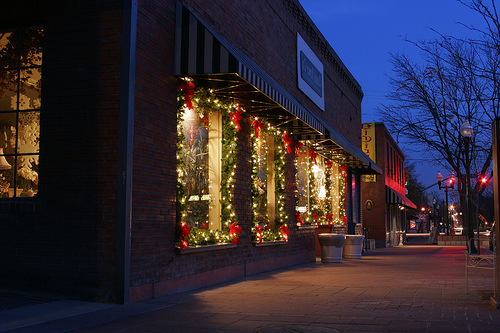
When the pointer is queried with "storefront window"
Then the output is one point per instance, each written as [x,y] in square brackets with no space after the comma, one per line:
[206,162]
[196,179]
[264,207]
[20,102]
[268,182]
[320,189]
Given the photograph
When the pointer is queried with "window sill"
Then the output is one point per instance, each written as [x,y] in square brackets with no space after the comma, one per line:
[206,248]
[20,205]
[272,243]
[307,226]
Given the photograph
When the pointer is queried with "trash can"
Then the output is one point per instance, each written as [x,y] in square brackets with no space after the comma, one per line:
[331,247]
[353,246]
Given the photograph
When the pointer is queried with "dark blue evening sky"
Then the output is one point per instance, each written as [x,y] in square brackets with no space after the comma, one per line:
[363,32]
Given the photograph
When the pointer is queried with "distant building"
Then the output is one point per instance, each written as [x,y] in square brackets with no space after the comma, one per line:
[384,199]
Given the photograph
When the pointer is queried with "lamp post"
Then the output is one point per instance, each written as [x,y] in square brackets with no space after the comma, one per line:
[466,132]
[451,184]
[434,215]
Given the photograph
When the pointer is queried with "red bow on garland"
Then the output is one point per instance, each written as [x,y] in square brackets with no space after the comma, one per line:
[316,218]
[284,230]
[287,141]
[258,125]
[188,90]
[313,155]
[329,164]
[203,225]
[298,218]
[343,171]
[344,219]
[259,234]
[185,231]
[235,117]
[298,145]
[330,218]
[235,230]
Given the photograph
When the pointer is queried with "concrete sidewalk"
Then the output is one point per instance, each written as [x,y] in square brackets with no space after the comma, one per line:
[401,289]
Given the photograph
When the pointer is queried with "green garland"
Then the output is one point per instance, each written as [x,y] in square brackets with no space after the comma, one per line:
[181,196]
[328,186]
[280,181]
[204,103]
[321,211]
[267,233]
[205,237]
[229,161]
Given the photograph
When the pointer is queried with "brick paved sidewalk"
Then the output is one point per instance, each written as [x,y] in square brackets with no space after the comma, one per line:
[402,289]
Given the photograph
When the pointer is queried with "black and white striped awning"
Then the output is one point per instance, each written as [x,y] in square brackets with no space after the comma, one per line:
[201,53]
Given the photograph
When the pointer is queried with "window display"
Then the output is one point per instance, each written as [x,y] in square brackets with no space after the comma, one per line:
[20,102]
[320,188]
[268,182]
[206,162]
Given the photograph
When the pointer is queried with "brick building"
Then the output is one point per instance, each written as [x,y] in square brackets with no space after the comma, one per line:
[384,199]
[151,147]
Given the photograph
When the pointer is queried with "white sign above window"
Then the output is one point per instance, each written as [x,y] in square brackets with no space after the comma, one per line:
[310,73]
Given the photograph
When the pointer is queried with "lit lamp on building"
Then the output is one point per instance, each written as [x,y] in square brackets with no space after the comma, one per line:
[451,184]
[466,132]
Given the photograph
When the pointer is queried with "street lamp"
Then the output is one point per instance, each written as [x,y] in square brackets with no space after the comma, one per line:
[466,132]
[451,184]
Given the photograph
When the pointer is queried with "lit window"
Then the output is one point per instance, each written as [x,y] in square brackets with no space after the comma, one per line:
[201,169]
[206,165]
[320,189]
[268,182]
[264,201]
[20,102]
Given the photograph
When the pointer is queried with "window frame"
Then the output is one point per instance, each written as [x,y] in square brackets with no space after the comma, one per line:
[23,134]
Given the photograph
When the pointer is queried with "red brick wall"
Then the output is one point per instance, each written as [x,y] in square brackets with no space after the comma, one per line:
[176,271]
[376,219]
[155,137]
[64,239]
[156,268]
[269,30]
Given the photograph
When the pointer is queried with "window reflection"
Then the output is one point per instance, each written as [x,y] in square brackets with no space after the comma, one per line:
[320,189]
[20,103]
[196,180]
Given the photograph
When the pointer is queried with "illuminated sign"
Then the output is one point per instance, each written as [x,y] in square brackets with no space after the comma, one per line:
[368,146]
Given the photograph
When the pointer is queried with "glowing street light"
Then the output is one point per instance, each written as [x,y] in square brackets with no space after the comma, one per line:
[451,184]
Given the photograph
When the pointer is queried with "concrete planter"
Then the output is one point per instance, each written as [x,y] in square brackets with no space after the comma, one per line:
[331,247]
[353,246]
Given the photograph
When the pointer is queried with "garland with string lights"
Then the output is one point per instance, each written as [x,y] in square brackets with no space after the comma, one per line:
[343,190]
[318,214]
[204,102]
[261,230]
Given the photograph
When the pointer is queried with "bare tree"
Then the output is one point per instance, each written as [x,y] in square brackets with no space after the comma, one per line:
[456,80]
[413,185]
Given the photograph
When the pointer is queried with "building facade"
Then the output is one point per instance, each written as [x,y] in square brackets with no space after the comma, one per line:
[152,147]
[384,197]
